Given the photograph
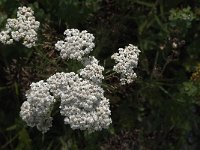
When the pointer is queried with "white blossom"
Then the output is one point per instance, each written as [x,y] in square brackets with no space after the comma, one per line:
[92,70]
[5,37]
[127,60]
[82,103]
[60,82]
[23,28]
[76,44]
[36,111]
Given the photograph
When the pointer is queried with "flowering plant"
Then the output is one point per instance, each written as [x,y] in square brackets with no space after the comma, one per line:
[82,100]
[67,71]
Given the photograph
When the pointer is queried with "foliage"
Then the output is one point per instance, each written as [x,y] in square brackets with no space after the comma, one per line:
[160,110]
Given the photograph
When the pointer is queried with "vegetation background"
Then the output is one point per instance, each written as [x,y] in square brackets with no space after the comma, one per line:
[159,111]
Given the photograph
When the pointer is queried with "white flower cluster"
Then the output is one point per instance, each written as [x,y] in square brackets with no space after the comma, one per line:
[92,71]
[82,103]
[36,111]
[76,44]
[82,99]
[60,82]
[127,60]
[23,28]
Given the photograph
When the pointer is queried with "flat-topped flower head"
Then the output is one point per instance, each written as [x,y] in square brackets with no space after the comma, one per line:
[127,60]
[92,70]
[36,111]
[82,102]
[76,44]
[23,28]
[60,82]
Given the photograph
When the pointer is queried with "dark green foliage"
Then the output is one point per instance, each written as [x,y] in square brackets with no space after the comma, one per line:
[159,111]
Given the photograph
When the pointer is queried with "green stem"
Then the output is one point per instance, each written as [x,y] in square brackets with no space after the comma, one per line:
[155,64]
[10,141]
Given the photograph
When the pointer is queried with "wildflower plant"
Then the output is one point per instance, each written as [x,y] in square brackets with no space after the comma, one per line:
[182,17]
[82,100]
[76,44]
[81,97]
[23,28]
[69,70]
[127,60]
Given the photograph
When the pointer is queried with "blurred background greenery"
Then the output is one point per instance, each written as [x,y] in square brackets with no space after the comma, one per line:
[159,111]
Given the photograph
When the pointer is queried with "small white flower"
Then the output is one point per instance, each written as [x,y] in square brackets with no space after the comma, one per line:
[76,44]
[127,60]
[5,37]
[82,102]
[24,28]
[92,71]
[36,110]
